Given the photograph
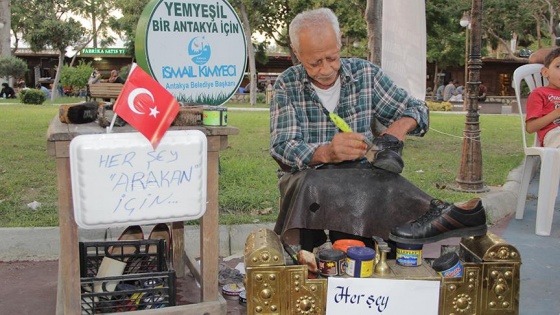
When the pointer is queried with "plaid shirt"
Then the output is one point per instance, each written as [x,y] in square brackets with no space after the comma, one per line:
[299,123]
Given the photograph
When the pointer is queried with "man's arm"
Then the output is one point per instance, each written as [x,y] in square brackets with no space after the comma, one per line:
[401,127]
[539,55]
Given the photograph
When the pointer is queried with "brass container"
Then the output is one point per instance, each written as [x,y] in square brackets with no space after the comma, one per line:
[263,248]
[489,286]
[490,282]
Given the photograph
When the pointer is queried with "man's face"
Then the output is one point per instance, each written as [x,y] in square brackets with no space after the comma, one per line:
[319,54]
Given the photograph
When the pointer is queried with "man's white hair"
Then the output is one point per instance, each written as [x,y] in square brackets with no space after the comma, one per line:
[313,19]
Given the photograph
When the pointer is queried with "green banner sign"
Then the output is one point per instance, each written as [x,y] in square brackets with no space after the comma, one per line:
[103,51]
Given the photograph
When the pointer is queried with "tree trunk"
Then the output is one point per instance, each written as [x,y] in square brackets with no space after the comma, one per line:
[436,82]
[5,17]
[251,54]
[54,92]
[373,16]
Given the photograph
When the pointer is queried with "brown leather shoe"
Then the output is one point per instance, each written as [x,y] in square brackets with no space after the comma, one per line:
[443,220]
[131,233]
[160,231]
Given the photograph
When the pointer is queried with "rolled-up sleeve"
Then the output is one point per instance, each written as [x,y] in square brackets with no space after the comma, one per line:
[287,143]
[394,102]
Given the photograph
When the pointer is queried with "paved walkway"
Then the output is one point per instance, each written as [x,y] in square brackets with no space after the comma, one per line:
[29,287]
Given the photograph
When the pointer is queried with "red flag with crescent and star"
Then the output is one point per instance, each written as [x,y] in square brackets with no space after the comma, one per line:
[146,105]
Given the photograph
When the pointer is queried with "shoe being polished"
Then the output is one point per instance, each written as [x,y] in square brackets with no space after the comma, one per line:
[388,156]
[443,220]
[388,160]
[387,141]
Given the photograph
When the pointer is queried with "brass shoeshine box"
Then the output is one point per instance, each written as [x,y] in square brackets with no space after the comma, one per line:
[489,285]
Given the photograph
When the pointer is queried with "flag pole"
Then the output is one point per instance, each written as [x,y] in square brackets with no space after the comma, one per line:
[110,128]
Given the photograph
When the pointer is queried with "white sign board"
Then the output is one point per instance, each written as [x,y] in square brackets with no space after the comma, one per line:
[196,49]
[358,296]
[118,179]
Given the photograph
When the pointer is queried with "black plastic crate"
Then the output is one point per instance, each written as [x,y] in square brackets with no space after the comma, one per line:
[146,283]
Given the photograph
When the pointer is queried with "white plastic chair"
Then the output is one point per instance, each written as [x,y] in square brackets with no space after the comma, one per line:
[550,158]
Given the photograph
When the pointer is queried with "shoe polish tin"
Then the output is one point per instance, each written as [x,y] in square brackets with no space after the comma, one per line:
[243,297]
[409,255]
[332,262]
[231,291]
[359,262]
[448,266]
[214,116]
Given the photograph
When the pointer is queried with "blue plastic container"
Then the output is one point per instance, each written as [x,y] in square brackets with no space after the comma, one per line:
[359,262]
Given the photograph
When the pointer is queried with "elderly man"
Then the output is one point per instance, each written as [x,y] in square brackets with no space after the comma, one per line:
[326,182]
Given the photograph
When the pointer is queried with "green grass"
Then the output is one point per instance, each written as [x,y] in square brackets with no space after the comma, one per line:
[248,191]
[27,173]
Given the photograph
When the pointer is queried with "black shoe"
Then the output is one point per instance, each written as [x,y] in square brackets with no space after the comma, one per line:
[443,220]
[388,160]
[388,155]
[387,141]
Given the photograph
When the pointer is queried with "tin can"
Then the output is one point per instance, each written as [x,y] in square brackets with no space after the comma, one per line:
[409,255]
[332,262]
[243,297]
[214,116]
[359,262]
[448,266]
[231,291]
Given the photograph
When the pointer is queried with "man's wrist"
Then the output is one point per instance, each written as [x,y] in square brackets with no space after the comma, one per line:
[322,154]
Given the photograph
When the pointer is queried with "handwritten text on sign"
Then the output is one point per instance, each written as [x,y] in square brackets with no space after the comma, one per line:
[382,296]
[119,179]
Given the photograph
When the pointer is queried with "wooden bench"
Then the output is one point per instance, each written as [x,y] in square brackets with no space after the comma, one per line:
[103,90]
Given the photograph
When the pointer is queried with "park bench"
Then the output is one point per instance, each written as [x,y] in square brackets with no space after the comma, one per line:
[104,91]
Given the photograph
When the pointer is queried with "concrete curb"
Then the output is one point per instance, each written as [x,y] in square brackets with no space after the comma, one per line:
[501,202]
[43,243]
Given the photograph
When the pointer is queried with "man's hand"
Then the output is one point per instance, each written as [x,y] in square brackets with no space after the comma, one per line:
[345,146]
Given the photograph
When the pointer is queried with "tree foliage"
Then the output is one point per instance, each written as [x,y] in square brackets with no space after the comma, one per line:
[126,25]
[12,67]
[48,26]
[272,19]
[76,76]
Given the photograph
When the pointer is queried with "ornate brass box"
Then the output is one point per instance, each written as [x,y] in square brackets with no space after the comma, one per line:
[490,282]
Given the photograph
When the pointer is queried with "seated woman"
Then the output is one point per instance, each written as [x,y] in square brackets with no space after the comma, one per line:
[7,91]
[114,78]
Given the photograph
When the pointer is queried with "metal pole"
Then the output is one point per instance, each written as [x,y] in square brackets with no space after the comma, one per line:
[470,170]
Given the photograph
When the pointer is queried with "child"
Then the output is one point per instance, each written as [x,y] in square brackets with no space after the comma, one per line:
[543,104]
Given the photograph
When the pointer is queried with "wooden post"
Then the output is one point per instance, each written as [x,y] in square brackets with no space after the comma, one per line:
[374,14]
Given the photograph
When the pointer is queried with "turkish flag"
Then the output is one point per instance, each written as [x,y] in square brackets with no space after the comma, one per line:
[146,105]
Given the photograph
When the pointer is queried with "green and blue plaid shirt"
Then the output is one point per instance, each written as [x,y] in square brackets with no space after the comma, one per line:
[299,123]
